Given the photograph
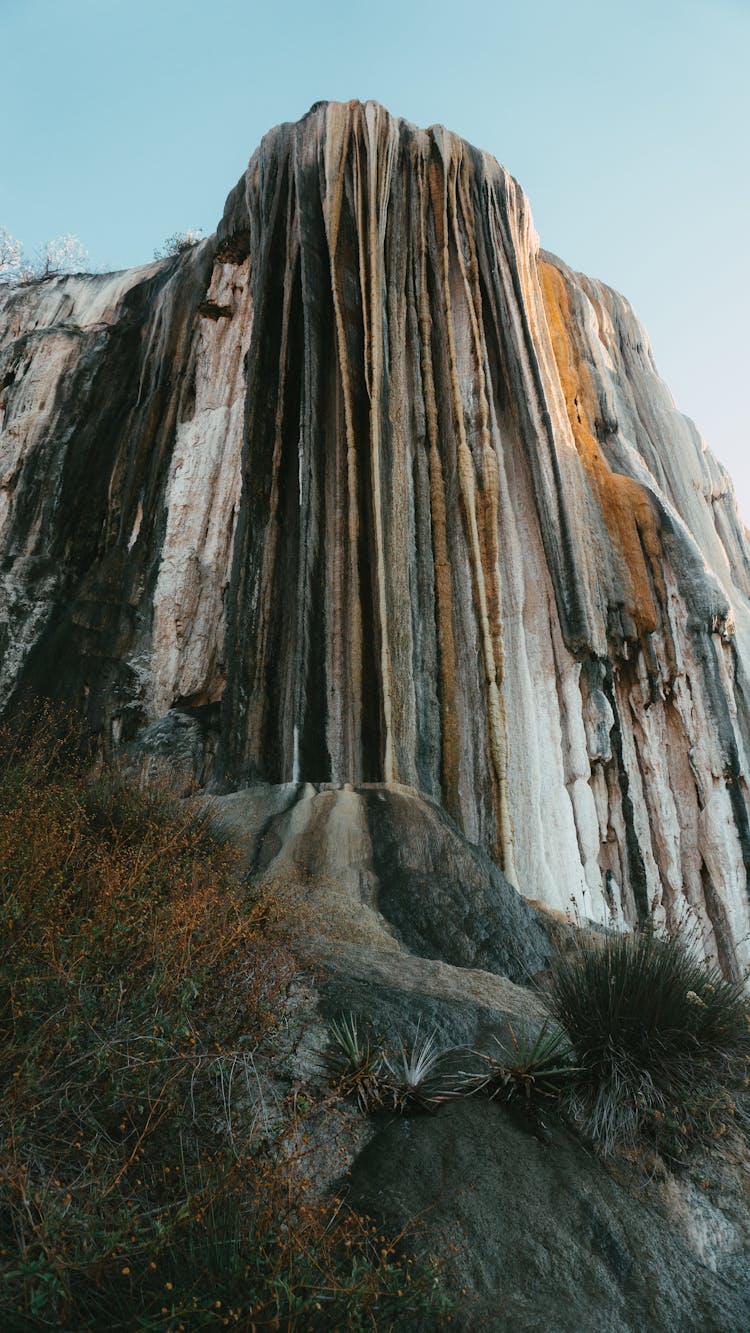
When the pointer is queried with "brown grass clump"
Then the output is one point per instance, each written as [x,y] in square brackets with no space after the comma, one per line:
[146,1179]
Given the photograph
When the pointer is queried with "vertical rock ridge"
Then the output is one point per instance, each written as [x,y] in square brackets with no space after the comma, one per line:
[336,153]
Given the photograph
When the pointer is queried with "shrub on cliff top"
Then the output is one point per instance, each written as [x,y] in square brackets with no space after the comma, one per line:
[655,1031]
[63,254]
[177,243]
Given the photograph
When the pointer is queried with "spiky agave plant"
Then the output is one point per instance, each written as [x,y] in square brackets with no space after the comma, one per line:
[353,1062]
[539,1068]
[415,1075]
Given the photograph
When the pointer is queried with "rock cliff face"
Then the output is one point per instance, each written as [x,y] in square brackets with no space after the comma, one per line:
[366,488]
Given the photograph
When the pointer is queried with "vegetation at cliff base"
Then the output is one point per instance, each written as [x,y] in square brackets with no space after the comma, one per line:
[645,1045]
[147,1178]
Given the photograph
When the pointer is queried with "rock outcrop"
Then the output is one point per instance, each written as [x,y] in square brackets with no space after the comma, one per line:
[366,488]
[543,1238]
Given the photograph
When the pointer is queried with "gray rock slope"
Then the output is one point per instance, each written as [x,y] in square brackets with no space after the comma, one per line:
[412,929]
[538,1236]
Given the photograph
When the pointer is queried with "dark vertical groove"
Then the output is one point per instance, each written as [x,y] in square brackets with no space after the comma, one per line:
[733,776]
[636,867]
[241,753]
[284,653]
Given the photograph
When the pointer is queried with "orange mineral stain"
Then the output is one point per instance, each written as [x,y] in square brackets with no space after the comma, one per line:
[626,505]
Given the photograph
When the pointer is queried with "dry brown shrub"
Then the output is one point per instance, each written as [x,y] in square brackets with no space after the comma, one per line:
[152,1174]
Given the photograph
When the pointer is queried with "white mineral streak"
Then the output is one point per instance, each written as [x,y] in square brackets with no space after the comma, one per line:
[202,502]
[328,844]
[673,755]
[557,833]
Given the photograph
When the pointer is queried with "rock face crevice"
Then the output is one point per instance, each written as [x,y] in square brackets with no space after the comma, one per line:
[404,498]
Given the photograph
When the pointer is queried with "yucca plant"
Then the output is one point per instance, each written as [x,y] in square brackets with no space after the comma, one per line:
[653,1028]
[356,1066]
[416,1078]
[541,1067]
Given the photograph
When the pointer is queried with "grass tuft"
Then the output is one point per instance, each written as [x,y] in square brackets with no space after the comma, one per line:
[656,1032]
[415,1074]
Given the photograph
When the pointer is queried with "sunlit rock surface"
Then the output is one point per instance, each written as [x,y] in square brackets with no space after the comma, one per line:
[366,488]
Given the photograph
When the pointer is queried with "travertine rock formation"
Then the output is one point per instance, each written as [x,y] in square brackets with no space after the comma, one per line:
[368,488]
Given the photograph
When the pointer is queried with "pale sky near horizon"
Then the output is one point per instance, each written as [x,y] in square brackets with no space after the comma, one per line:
[627,124]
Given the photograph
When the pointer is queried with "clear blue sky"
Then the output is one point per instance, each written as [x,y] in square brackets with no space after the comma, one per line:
[627,123]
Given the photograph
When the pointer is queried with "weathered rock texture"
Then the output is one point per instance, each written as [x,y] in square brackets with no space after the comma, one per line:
[542,1237]
[384,870]
[368,488]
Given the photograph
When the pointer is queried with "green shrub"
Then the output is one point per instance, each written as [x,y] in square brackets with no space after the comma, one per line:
[178,243]
[655,1031]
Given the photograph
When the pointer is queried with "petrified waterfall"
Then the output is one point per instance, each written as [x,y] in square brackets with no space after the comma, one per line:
[381,493]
